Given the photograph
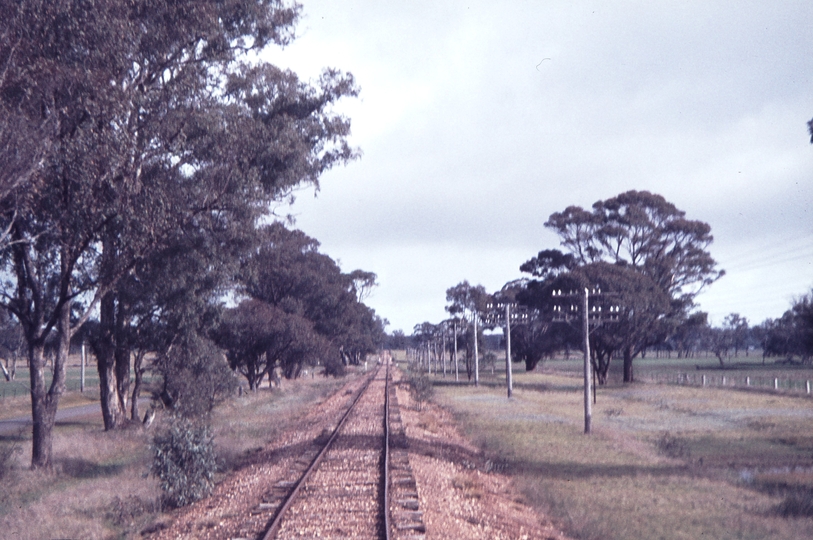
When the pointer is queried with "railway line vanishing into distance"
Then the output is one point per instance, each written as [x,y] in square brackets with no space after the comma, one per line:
[332,471]
[353,482]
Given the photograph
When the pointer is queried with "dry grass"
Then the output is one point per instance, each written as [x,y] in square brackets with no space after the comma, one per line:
[470,487]
[663,462]
[100,486]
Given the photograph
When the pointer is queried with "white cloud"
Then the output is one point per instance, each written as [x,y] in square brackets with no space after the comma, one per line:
[471,138]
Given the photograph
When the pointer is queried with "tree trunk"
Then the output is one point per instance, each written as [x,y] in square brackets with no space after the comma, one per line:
[105,350]
[138,372]
[720,358]
[44,404]
[601,365]
[628,373]
[42,441]
[122,355]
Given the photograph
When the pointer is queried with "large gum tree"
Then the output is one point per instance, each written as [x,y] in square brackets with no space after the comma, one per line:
[151,121]
[645,248]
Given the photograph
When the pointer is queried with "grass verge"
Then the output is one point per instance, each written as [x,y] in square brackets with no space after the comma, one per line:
[663,462]
[101,488]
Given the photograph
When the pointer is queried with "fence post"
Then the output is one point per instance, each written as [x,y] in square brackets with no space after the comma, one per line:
[808,386]
[704,380]
[776,383]
[748,381]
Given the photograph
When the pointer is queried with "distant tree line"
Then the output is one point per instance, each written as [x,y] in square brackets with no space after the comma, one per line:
[142,146]
[640,256]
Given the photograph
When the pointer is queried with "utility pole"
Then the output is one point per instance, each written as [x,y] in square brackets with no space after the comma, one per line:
[597,320]
[588,409]
[476,356]
[456,371]
[443,352]
[509,380]
[84,361]
[493,318]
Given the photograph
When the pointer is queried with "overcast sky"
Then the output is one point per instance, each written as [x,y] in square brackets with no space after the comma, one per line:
[477,120]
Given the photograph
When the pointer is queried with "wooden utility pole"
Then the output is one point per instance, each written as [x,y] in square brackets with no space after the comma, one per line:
[84,361]
[588,409]
[476,355]
[509,380]
[456,371]
[495,317]
[598,319]
[443,352]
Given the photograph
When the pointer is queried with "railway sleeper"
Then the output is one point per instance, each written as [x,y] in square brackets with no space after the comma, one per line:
[344,494]
[411,526]
[411,515]
[361,508]
[405,482]
[409,504]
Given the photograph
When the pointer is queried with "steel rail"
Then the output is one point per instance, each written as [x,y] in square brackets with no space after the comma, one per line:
[387,454]
[274,527]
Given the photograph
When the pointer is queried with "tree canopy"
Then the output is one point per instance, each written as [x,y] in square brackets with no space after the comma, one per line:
[303,306]
[791,335]
[128,128]
[644,254]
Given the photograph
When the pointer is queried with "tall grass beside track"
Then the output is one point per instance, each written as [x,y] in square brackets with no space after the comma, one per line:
[663,462]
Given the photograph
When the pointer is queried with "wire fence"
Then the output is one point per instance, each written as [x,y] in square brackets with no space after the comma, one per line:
[777,384]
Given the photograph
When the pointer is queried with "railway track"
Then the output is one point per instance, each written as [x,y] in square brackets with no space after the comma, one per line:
[353,482]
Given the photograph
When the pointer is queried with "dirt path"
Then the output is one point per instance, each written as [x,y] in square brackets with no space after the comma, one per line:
[91,411]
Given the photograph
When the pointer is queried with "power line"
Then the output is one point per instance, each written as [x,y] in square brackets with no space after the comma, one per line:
[770,253]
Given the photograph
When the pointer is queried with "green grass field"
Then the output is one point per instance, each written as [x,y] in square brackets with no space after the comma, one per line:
[663,462]
[15,399]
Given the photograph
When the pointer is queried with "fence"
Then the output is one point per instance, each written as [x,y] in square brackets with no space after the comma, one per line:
[728,381]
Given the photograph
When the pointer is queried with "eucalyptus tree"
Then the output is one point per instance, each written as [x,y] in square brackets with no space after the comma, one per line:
[791,335]
[469,302]
[155,124]
[691,335]
[643,247]
[542,336]
[288,272]
[646,232]
[258,337]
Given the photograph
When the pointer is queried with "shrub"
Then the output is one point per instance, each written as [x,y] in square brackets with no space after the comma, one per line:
[334,366]
[673,447]
[798,503]
[196,377]
[184,461]
[420,386]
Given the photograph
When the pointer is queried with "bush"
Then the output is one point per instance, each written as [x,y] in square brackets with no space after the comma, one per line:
[420,386]
[184,461]
[196,377]
[798,503]
[334,366]
[673,447]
